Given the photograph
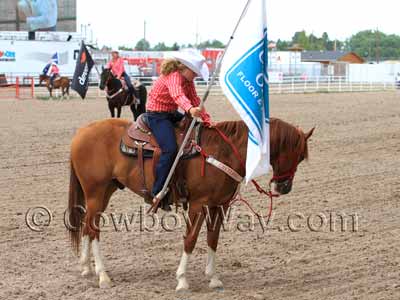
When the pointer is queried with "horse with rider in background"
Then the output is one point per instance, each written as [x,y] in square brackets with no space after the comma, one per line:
[51,75]
[117,96]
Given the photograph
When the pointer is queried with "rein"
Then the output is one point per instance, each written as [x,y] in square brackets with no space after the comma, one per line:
[237,196]
[108,96]
[114,95]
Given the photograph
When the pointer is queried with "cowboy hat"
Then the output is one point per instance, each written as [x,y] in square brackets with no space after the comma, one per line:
[194,61]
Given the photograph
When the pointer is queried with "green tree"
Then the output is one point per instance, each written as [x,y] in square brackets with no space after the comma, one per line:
[125,48]
[301,38]
[142,45]
[211,44]
[372,44]
[161,47]
[175,47]
[389,46]
[325,40]
[315,43]
[282,45]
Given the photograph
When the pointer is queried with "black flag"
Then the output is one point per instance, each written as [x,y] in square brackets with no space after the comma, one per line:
[84,64]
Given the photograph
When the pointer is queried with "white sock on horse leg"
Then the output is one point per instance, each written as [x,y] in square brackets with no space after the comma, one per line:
[181,273]
[211,270]
[85,256]
[104,280]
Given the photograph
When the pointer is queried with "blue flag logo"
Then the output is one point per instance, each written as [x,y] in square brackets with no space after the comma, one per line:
[244,81]
[247,80]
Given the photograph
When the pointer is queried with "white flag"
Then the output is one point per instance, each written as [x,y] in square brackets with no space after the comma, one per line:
[244,81]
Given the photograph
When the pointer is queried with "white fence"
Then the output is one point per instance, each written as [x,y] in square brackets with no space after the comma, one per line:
[326,84]
[285,85]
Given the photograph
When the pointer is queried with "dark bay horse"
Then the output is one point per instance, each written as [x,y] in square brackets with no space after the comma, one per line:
[62,83]
[98,169]
[117,97]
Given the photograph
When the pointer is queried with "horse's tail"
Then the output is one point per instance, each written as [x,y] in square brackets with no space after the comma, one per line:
[76,210]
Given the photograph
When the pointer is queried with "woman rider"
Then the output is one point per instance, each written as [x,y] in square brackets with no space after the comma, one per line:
[174,90]
[116,64]
[53,72]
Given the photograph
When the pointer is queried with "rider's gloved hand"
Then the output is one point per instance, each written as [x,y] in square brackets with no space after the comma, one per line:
[195,112]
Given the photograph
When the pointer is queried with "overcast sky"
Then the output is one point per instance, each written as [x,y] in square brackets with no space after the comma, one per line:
[120,22]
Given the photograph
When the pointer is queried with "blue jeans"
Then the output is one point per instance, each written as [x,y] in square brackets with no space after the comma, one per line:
[162,126]
[128,82]
[54,76]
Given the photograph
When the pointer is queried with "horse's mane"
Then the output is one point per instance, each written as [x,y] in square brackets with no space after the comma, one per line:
[285,136]
[235,130]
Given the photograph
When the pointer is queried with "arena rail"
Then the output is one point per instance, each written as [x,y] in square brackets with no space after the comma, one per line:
[278,85]
[17,87]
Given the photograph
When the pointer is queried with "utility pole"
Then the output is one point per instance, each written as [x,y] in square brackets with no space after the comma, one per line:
[144,30]
[197,33]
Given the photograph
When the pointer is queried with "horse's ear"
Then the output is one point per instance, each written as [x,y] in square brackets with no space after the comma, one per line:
[309,134]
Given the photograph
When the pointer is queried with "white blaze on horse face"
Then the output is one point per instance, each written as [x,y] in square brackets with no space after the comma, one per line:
[104,280]
[181,273]
[274,188]
[215,283]
[85,256]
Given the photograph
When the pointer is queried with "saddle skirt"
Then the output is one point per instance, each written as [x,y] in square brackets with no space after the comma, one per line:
[139,135]
[138,141]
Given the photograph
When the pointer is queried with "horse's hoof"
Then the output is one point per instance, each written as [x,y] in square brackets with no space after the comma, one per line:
[105,282]
[87,272]
[216,284]
[183,286]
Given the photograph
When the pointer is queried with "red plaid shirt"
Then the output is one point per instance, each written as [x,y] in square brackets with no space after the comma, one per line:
[173,91]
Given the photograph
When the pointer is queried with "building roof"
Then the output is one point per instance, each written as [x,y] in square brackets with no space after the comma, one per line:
[325,56]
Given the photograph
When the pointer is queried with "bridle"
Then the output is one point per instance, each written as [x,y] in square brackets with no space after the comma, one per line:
[285,177]
[112,96]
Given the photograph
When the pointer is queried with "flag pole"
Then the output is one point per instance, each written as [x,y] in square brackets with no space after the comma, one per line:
[164,190]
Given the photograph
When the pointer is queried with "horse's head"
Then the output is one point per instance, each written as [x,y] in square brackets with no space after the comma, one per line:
[42,77]
[105,77]
[288,150]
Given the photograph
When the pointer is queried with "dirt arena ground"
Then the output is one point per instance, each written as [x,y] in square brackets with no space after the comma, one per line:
[354,170]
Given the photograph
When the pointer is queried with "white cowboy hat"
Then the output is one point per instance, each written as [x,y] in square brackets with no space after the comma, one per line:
[194,61]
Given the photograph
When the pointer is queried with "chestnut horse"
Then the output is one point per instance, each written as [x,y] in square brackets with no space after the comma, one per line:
[98,169]
[62,83]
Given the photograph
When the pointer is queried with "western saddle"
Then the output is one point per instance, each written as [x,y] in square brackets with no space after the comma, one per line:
[139,142]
